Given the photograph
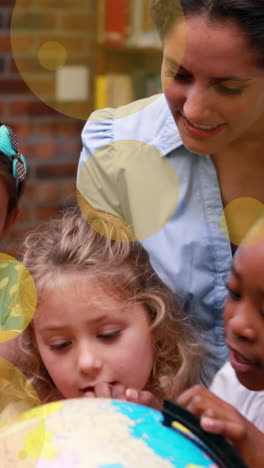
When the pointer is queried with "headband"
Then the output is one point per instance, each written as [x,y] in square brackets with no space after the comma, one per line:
[9,146]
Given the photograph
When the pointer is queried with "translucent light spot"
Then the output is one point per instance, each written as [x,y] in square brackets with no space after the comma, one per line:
[22,455]
[36,39]
[17,393]
[18,297]
[52,55]
[18,398]
[239,216]
[139,192]
[3,283]
[26,442]
[256,233]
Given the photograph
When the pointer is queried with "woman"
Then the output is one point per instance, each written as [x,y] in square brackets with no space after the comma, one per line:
[170,164]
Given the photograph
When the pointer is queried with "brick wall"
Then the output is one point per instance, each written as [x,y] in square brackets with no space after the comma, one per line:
[50,140]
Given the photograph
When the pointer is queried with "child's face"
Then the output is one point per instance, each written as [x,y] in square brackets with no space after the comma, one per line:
[86,336]
[244,316]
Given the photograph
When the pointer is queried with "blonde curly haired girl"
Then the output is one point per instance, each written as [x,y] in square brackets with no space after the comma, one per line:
[105,324]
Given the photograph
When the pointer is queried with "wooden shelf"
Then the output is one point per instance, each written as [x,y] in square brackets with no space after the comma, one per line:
[142,64]
[130,49]
[115,59]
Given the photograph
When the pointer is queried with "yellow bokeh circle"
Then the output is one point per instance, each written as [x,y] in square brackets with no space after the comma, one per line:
[46,34]
[138,189]
[52,55]
[256,233]
[17,393]
[23,434]
[18,297]
[239,216]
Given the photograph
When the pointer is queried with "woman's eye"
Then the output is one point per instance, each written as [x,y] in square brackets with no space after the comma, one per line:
[59,346]
[229,91]
[233,294]
[179,76]
[109,336]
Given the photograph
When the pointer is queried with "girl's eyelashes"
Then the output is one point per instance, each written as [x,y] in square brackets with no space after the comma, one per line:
[110,335]
[102,336]
[59,346]
[233,294]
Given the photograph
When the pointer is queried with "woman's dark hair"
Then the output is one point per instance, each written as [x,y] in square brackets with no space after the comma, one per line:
[247,14]
[6,176]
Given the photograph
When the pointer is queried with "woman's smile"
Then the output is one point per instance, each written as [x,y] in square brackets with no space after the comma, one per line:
[200,131]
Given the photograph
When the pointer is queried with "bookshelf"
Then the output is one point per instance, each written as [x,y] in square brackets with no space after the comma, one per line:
[128,53]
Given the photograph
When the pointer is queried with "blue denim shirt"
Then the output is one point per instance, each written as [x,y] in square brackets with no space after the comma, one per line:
[187,246]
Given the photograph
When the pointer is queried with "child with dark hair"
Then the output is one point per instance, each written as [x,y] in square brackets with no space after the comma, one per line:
[235,406]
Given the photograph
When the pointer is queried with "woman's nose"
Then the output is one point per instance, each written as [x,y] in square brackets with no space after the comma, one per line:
[88,360]
[196,106]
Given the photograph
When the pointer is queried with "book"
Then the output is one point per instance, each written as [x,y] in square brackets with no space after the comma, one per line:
[113,90]
[142,31]
[153,84]
[126,23]
[136,22]
[100,21]
[148,36]
[100,92]
[116,21]
[145,83]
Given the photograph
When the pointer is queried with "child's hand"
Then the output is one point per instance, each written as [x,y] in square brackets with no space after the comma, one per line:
[120,392]
[219,417]
[143,397]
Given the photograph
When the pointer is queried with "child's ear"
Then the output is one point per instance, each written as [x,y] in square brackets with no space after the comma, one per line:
[10,220]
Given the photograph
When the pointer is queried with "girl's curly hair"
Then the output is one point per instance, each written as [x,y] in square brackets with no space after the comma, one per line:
[69,244]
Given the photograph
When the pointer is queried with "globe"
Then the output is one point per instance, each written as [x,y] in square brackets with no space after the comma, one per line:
[97,433]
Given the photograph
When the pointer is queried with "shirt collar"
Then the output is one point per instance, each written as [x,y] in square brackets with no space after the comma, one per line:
[171,139]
